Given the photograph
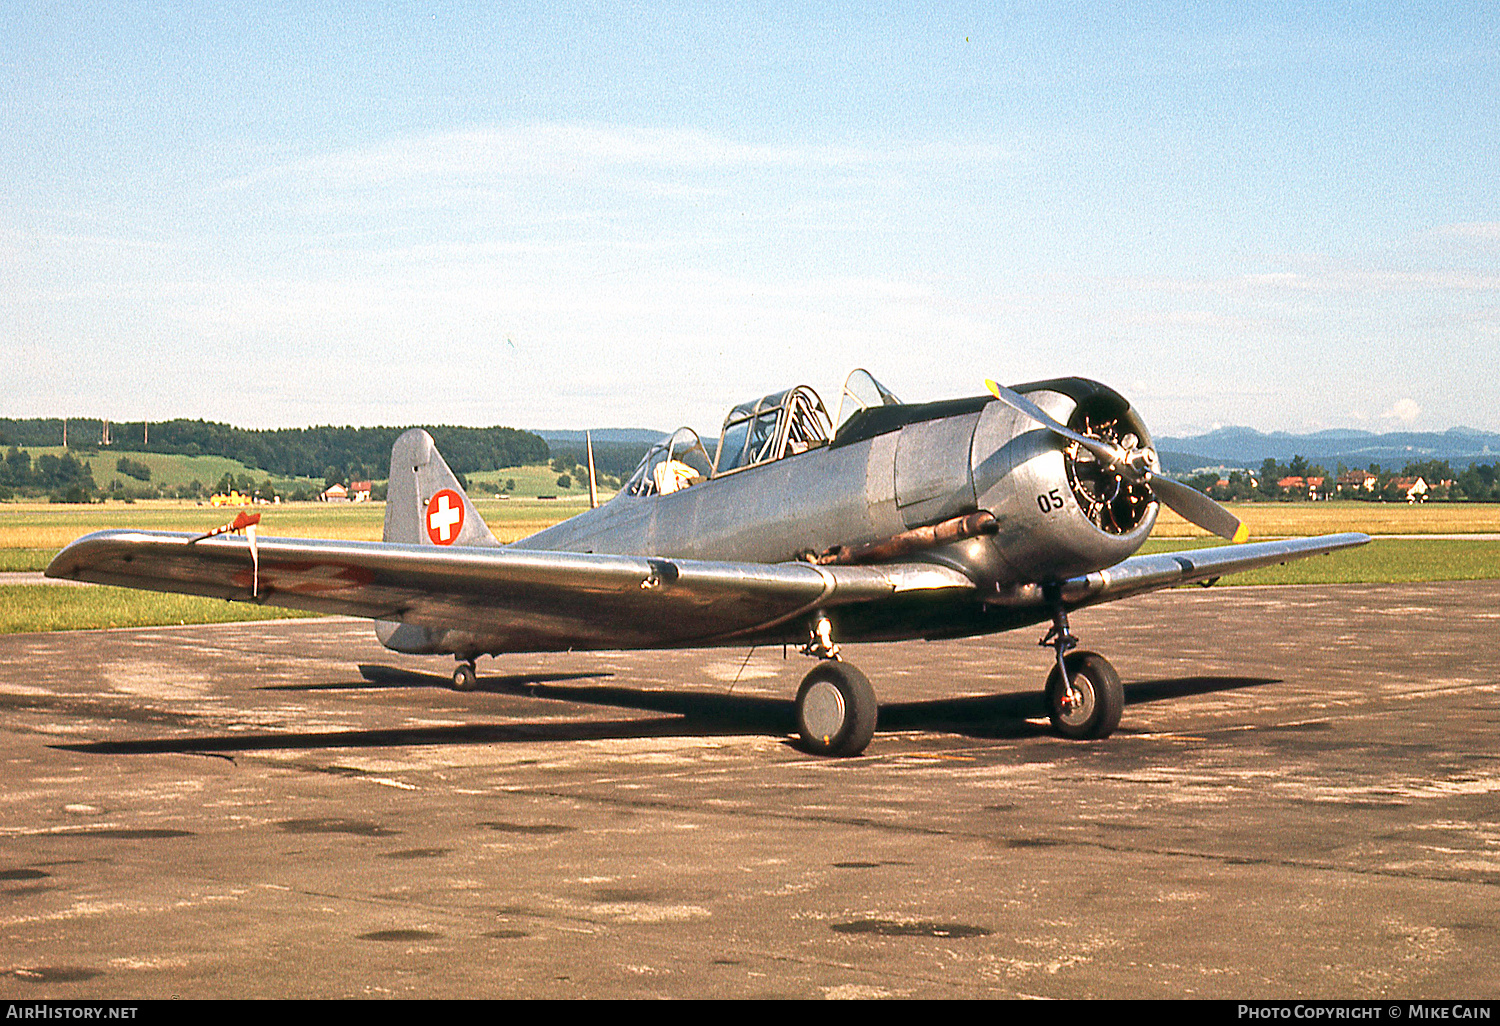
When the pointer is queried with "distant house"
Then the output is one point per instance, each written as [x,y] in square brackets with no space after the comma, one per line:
[1413,489]
[1312,487]
[359,491]
[337,493]
[1356,481]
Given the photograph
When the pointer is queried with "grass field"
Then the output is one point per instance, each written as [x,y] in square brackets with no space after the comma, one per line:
[530,482]
[51,607]
[170,470]
[31,533]
[1383,561]
[1298,519]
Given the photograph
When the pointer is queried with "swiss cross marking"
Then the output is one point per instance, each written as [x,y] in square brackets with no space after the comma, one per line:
[445,517]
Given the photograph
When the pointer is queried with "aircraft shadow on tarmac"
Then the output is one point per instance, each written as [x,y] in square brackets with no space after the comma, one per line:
[688,714]
[396,677]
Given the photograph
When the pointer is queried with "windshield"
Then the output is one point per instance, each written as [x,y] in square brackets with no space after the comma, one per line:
[862,391]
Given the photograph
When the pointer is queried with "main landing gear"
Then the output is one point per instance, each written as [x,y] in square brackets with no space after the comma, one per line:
[836,709]
[1084,694]
[836,706]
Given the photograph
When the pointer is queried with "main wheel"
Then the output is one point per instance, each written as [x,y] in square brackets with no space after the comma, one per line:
[1096,704]
[836,709]
[465,678]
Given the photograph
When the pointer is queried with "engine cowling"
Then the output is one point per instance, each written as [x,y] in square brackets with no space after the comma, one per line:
[1060,512]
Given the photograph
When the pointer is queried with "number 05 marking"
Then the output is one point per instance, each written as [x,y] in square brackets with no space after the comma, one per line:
[1050,501]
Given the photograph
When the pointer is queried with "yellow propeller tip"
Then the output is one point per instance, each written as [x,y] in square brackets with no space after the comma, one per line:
[1241,534]
[994,388]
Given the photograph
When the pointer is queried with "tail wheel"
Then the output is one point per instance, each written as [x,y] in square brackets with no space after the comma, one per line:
[1092,708]
[465,677]
[836,709]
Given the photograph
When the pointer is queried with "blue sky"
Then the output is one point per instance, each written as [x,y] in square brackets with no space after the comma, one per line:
[554,215]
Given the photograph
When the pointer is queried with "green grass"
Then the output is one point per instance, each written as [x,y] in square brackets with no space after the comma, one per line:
[22,560]
[1383,561]
[52,607]
[36,526]
[170,470]
[531,482]
[31,534]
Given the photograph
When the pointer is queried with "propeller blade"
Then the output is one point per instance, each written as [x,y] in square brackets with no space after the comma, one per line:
[1110,454]
[1197,508]
[1186,501]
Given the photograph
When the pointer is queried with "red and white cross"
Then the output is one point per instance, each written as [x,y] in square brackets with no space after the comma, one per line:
[445,517]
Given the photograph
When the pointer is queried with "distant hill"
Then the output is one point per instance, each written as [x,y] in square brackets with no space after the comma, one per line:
[617,451]
[626,436]
[1246,447]
[317,452]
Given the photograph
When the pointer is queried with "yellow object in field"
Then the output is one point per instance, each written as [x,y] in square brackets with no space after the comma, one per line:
[234,498]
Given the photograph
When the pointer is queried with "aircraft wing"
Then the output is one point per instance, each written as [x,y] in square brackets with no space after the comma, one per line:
[1140,574]
[500,599]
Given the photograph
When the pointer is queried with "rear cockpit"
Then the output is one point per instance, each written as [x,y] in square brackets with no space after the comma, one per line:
[676,462]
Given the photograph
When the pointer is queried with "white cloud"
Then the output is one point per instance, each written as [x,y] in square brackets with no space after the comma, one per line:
[1405,410]
[1469,230]
[580,149]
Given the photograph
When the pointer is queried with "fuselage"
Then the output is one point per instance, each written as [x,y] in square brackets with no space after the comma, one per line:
[891,469]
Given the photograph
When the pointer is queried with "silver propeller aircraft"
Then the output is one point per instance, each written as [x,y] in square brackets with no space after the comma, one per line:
[892,521]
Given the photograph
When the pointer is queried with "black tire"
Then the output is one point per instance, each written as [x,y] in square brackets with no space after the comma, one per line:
[465,678]
[836,710]
[1101,698]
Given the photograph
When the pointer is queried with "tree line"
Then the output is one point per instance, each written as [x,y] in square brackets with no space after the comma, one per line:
[1479,482]
[65,478]
[328,452]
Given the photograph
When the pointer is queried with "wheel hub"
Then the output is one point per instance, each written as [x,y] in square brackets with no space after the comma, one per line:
[1078,701]
[823,710]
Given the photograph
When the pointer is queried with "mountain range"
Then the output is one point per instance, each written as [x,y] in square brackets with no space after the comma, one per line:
[1246,447]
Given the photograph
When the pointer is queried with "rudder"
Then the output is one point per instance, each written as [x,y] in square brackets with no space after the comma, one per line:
[424,503]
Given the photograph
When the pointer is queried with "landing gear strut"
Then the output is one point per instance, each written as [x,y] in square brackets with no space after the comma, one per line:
[836,706]
[1084,695]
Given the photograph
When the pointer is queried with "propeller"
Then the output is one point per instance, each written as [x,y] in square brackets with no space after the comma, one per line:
[1135,464]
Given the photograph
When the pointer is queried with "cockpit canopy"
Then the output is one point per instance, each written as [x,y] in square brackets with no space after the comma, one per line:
[782,424]
[676,462]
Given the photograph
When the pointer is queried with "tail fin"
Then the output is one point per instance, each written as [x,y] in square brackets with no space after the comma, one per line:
[424,503]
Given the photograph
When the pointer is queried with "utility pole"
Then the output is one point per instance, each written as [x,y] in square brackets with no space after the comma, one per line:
[588,440]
